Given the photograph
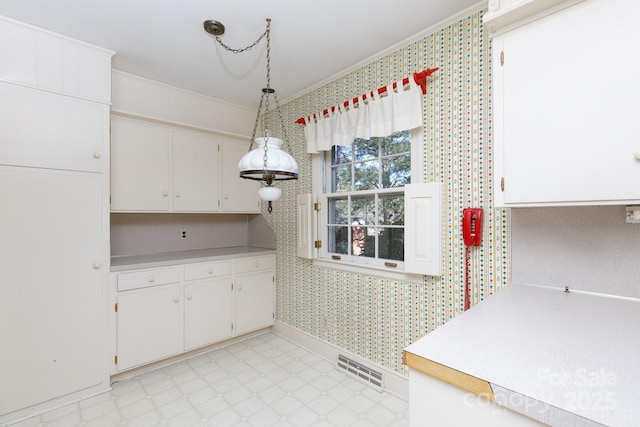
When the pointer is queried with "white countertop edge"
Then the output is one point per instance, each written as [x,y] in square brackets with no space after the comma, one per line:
[538,410]
[163,259]
[542,342]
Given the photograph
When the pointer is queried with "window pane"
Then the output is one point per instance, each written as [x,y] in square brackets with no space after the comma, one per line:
[391,244]
[338,211]
[366,175]
[342,154]
[396,171]
[338,240]
[397,143]
[369,225]
[363,241]
[341,178]
[363,210]
[391,209]
[365,149]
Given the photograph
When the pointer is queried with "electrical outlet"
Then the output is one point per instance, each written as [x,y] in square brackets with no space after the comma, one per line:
[183,234]
[632,214]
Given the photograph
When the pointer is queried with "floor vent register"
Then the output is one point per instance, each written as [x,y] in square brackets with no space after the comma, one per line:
[364,373]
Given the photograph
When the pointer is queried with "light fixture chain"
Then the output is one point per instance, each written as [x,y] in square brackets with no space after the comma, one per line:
[230,49]
[267,90]
[265,158]
[284,128]
[284,166]
[255,125]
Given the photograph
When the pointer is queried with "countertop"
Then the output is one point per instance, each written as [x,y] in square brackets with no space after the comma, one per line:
[129,262]
[562,358]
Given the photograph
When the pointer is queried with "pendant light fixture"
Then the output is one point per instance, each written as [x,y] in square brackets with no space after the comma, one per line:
[267,162]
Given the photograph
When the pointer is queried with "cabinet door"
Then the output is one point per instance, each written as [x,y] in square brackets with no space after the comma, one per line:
[41,129]
[566,123]
[254,301]
[148,326]
[238,194]
[139,166]
[195,172]
[207,312]
[51,284]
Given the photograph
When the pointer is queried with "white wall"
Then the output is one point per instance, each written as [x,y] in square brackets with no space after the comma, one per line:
[589,248]
[144,98]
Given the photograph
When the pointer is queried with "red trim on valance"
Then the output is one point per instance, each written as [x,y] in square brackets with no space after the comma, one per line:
[420,79]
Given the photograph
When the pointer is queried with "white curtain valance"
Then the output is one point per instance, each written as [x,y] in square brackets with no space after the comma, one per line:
[374,116]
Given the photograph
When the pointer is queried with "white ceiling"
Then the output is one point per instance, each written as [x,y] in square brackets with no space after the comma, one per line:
[311,42]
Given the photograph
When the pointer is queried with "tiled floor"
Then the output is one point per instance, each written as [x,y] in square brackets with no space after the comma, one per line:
[262,381]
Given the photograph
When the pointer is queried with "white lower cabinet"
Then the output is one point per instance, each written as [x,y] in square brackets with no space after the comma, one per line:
[163,312]
[207,312]
[148,325]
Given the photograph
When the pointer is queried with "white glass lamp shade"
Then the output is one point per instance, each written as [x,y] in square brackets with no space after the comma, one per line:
[280,164]
[270,193]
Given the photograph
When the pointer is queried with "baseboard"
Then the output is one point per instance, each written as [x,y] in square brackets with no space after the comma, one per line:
[395,383]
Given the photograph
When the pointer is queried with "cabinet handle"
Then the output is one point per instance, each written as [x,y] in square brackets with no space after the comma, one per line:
[97,266]
[151,279]
[176,299]
[97,155]
[177,194]
[164,193]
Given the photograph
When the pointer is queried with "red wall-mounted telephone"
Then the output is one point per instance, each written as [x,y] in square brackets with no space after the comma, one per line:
[472,226]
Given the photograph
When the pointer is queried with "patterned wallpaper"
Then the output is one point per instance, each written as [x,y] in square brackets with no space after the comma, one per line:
[376,317]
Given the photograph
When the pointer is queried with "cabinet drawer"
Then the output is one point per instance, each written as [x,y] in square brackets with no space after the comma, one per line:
[245,265]
[207,269]
[146,278]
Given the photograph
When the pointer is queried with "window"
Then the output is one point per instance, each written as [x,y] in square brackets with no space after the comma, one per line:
[366,199]
[373,209]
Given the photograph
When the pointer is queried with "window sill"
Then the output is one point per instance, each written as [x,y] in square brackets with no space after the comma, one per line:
[370,270]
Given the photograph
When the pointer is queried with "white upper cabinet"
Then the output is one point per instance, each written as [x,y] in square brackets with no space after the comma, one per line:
[195,172]
[160,168]
[567,98]
[505,15]
[44,60]
[139,166]
[45,130]
[238,194]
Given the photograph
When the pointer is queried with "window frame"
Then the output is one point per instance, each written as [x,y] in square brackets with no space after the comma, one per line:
[321,177]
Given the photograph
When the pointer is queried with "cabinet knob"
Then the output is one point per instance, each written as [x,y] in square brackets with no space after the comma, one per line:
[177,194]
[226,196]
[165,194]
[256,264]
[189,297]
[97,155]
[210,271]
[151,279]
[637,155]
[176,300]
[239,287]
[97,266]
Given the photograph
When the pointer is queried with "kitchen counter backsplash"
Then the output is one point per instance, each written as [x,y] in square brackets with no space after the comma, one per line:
[142,234]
